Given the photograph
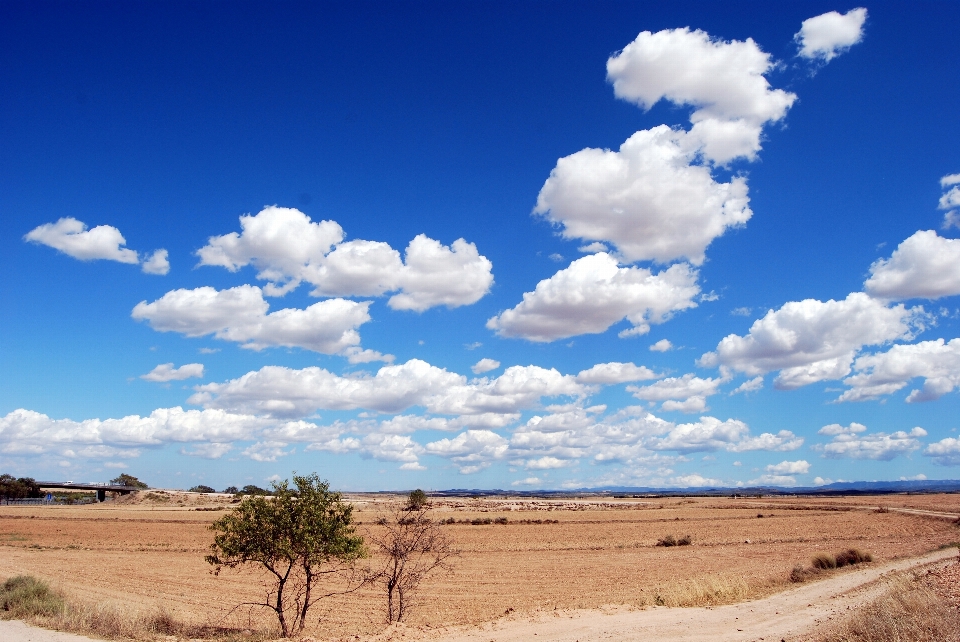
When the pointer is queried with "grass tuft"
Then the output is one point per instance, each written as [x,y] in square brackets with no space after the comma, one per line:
[24,596]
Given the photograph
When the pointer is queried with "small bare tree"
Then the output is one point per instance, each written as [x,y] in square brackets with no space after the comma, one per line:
[413,546]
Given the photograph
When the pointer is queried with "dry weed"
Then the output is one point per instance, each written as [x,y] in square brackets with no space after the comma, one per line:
[708,591]
[910,610]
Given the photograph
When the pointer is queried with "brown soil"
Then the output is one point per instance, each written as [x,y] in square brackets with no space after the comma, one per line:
[148,552]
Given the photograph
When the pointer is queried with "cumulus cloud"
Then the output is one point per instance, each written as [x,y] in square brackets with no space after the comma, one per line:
[615,372]
[105,242]
[923,266]
[750,385]
[288,248]
[156,263]
[72,237]
[471,449]
[884,373]
[833,430]
[663,345]
[945,452]
[284,391]
[485,365]
[828,35]
[694,480]
[240,314]
[648,198]
[527,481]
[592,294]
[266,451]
[686,394]
[166,372]
[810,340]
[27,431]
[799,467]
[711,434]
[212,450]
[853,443]
[723,81]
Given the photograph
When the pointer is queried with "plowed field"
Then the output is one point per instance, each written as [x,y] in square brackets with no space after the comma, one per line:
[597,553]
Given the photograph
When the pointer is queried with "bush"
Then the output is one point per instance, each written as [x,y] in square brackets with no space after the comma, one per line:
[416,500]
[22,488]
[669,540]
[201,489]
[231,490]
[500,520]
[25,596]
[852,556]
[686,540]
[823,561]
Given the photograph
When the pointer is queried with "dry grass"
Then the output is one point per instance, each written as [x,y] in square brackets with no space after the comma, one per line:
[707,591]
[910,610]
[26,598]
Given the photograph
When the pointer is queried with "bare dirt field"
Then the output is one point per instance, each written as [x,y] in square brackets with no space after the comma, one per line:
[599,554]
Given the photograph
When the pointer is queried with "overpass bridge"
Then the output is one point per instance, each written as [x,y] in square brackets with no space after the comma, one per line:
[101,489]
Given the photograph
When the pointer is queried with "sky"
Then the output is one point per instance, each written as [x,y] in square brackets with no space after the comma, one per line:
[538,245]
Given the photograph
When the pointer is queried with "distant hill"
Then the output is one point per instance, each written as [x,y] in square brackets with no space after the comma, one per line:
[836,488]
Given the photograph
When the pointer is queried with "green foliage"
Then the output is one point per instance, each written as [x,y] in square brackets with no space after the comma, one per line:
[232,490]
[22,488]
[26,596]
[298,536]
[201,488]
[250,489]
[123,479]
[416,500]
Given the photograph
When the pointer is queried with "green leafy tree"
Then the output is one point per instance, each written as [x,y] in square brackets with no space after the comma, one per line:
[250,489]
[201,488]
[18,488]
[417,499]
[232,490]
[299,536]
[412,546]
[123,479]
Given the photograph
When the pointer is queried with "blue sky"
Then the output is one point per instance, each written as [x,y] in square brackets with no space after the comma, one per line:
[480,245]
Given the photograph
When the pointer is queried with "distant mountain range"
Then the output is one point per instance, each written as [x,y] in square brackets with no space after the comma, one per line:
[836,488]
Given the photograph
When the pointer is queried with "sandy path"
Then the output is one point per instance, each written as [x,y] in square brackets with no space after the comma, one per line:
[784,616]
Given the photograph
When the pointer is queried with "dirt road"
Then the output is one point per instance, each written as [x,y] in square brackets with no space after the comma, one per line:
[790,615]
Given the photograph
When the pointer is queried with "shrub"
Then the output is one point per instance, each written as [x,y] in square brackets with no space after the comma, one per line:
[22,488]
[231,490]
[201,488]
[500,520]
[686,540]
[669,540]
[25,596]
[852,556]
[823,561]
[416,500]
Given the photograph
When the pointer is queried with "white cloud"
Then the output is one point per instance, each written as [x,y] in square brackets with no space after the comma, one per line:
[528,481]
[799,467]
[686,394]
[391,448]
[828,35]
[648,199]
[694,480]
[29,431]
[945,452]
[156,263]
[858,445]
[545,463]
[951,219]
[267,451]
[615,372]
[833,430]
[663,345]
[485,365]
[288,248]
[750,385]
[812,340]
[166,372]
[412,465]
[283,391]
[711,434]
[887,372]
[475,447]
[592,294]
[773,480]
[741,312]
[72,237]
[240,314]
[593,248]
[918,477]
[950,179]
[723,80]
[211,450]
[923,266]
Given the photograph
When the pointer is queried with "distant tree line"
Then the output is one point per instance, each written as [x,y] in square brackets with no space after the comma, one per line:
[22,488]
